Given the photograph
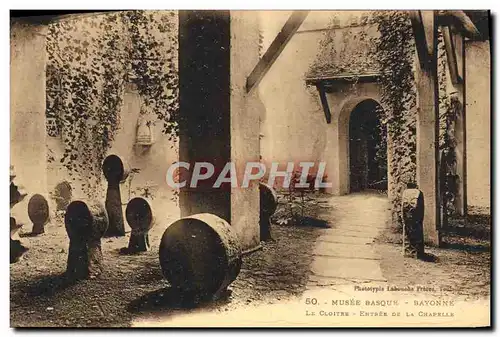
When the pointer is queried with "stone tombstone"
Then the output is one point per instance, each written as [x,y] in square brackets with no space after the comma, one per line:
[200,255]
[14,226]
[63,193]
[115,171]
[16,248]
[38,212]
[268,205]
[17,194]
[139,215]
[413,229]
[86,223]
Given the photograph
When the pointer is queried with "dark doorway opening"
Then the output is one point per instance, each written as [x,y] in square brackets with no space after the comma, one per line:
[367,148]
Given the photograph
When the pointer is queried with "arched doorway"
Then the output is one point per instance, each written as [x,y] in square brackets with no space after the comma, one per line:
[367,148]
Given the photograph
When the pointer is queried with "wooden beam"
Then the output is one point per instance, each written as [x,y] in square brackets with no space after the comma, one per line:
[324,102]
[424,38]
[451,55]
[458,43]
[49,16]
[461,22]
[292,24]
[330,80]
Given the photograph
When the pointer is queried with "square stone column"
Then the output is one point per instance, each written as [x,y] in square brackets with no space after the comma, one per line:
[478,100]
[219,121]
[428,124]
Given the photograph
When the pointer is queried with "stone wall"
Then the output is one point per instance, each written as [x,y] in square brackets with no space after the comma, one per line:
[27,111]
[293,127]
[150,162]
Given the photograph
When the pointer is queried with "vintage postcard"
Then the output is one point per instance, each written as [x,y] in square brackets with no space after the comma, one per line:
[250,168]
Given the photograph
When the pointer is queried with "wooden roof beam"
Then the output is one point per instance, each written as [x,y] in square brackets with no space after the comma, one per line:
[461,21]
[453,54]
[423,26]
[289,28]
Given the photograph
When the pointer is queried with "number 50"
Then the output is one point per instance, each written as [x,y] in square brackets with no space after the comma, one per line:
[312,301]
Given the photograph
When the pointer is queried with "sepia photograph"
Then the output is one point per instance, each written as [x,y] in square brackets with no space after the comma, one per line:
[250,168]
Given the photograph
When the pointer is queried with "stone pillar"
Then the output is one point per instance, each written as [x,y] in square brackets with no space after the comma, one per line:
[478,105]
[28,153]
[428,132]
[219,121]
[245,127]
[204,100]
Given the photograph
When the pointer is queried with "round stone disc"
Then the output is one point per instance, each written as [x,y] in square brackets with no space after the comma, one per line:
[38,209]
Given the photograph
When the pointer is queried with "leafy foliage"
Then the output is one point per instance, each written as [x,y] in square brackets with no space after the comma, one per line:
[346,49]
[395,51]
[381,42]
[155,75]
[89,62]
[449,109]
[297,198]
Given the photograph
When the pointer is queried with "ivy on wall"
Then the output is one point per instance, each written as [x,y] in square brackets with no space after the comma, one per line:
[392,54]
[90,60]
[345,49]
[449,109]
[380,42]
[395,54]
[154,65]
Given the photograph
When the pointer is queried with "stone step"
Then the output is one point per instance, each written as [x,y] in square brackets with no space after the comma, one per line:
[359,226]
[360,269]
[334,237]
[324,248]
[354,233]
[365,230]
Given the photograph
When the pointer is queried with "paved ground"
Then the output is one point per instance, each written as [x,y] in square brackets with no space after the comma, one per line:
[345,253]
[347,264]
[275,285]
[339,257]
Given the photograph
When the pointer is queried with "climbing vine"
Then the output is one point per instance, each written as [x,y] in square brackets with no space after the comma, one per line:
[351,49]
[155,74]
[348,49]
[90,60]
[395,54]
[449,110]
[379,42]
[338,55]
